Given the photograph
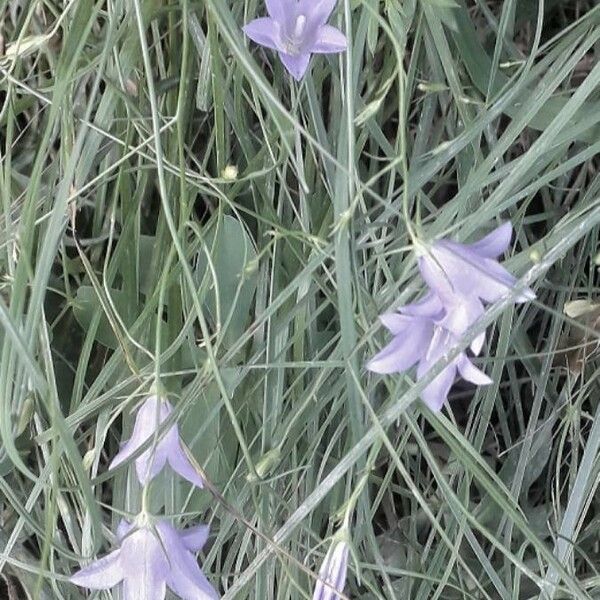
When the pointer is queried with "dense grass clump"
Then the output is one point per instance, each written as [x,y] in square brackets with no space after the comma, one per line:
[182,217]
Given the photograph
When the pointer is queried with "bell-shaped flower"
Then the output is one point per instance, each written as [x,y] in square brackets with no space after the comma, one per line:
[436,392]
[465,275]
[296,29]
[420,337]
[152,557]
[332,574]
[461,278]
[168,446]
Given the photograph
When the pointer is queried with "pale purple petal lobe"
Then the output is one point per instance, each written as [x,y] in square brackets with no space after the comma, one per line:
[127,449]
[296,65]
[395,322]
[404,350]
[145,566]
[149,416]
[471,373]
[277,9]
[469,274]
[429,306]
[462,314]
[436,393]
[196,588]
[340,566]
[182,465]
[185,577]
[495,243]
[102,574]
[329,39]
[152,589]
[263,31]
[123,528]
[150,463]
[333,572]
[194,538]
[435,277]
[477,343]
[317,10]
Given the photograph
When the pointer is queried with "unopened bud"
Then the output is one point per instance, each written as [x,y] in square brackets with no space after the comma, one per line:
[230,173]
[25,415]
[251,267]
[88,459]
[266,464]
[131,87]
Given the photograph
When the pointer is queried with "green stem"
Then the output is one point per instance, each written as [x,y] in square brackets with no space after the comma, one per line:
[189,279]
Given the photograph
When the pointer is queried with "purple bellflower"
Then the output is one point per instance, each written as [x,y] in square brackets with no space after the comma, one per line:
[332,574]
[461,278]
[419,338]
[168,448]
[296,29]
[464,276]
[151,557]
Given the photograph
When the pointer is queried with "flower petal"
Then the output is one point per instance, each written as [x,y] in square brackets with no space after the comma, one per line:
[329,39]
[155,590]
[145,566]
[469,274]
[442,341]
[316,11]
[277,9]
[198,588]
[436,278]
[477,343]
[404,350]
[185,578]
[339,567]
[194,538]
[181,464]
[102,574]
[429,306]
[149,416]
[395,322]
[263,31]
[471,373]
[436,392]
[495,243]
[123,528]
[151,462]
[127,449]
[462,314]
[332,572]
[296,65]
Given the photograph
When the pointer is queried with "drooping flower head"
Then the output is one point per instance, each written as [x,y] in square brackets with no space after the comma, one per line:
[420,338]
[296,29]
[461,278]
[168,448]
[152,556]
[464,276]
[332,574]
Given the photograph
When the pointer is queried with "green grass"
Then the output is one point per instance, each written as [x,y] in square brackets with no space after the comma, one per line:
[128,256]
